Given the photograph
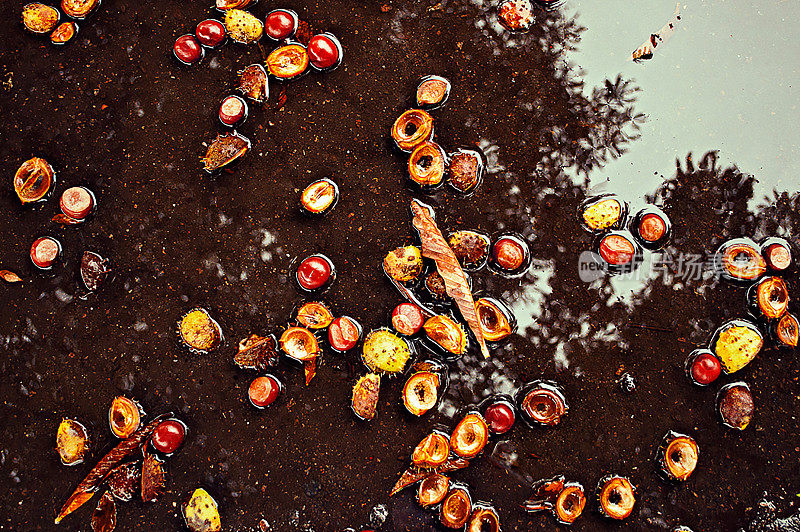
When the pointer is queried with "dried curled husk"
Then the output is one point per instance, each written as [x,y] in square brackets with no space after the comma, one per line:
[39,18]
[456,508]
[365,396]
[385,353]
[94,270]
[768,298]
[470,436]
[201,512]
[403,264]
[253,83]
[300,344]
[432,451]
[72,442]
[736,344]
[542,403]
[446,333]
[243,27]
[154,478]
[314,315]
[678,456]
[414,474]
[104,517]
[34,178]
[225,150]
[484,518]
[124,416]
[257,352]
[412,128]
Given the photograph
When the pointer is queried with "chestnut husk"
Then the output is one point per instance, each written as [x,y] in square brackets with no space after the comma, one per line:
[314,315]
[465,170]
[421,392]
[79,9]
[456,507]
[403,264]
[497,320]
[484,518]
[432,451]
[36,174]
[471,248]
[677,456]
[625,497]
[432,490]
[212,328]
[569,503]
[320,184]
[253,83]
[131,412]
[594,206]
[307,348]
[786,331]
[447,334]
[739,261]
[768,299]
[414,119]
[427,165]
[64,33]
[470,436]
[224,151]
[544,391]
[276,65]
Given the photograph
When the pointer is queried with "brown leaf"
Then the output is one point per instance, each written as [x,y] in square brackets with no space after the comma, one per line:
[123,481]
[153,478]
[435,247]
[66,220]
[10,277]
[257,352]
[115,456]
[104,518]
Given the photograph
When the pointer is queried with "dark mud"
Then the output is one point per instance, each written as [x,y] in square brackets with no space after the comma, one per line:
[115,112]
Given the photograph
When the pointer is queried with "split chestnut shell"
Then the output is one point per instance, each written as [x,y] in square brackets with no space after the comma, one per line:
[224,150]
[314,315]
[470,247]
[470,436]
[421,392]
[456,508]
[33,180]
[616,497]
[199,331]
[124,416]
[253,83]
[288,62]
[427,165]
[787,330]
[365,396]
[496,319]
[411,129]
[432,490]
[465,170]
[299,343]
[541,403]
[448,334]
[484,518]
[432,92]
[678,456]
[740,260]
[768,298]
[432,451]
[72,442]
[79,9]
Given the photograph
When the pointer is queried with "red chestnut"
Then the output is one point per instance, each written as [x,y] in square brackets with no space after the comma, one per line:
[210,33]
[280,24]
[343,333]
[77,202]
[500,417]
[315,272]
[325,51]
[232,110]
[263,391]
[187,50]
[407,319]
[168,436]
[44,252]
[703,367]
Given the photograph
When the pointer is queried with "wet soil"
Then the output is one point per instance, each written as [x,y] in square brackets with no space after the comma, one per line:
[115,112]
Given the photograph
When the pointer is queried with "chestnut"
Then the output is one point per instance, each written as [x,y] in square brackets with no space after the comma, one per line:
[620,251]
[232,111]
[411,129]
[44,252]
[77,202]
[281,24]
[343,334]
[288,62]
[427,164]
[187,49]
[210,33]
[651,228]
[315,272]
[777,253]
[325,52]
[432,92]
[511,256]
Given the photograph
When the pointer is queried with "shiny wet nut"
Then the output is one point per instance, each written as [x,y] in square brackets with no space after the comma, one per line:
[500,417]
[344,333]
[703,367]
[281,24]
[210,33]
[45,252]
[39,18]
[168,436]
[263,391]
[201,513]
[77,202]
[187,49]
[735,405]
[407,319]
[288,62]
[325,52]
[315,272]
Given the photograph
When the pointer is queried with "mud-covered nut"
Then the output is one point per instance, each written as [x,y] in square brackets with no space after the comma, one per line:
[365,396]
[432,92]
[735,405]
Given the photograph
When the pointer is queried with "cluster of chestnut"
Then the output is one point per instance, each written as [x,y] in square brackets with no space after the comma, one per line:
[296,54]
[736,343]
[619,240]
[33,182]
[429,167]
[42,19]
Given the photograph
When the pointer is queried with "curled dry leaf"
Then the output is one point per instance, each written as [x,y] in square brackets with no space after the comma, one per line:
[115,456]
[257,352]
[435,247]
[310,367]
[153,478]
[104,518]
[414,474]
[10,277]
